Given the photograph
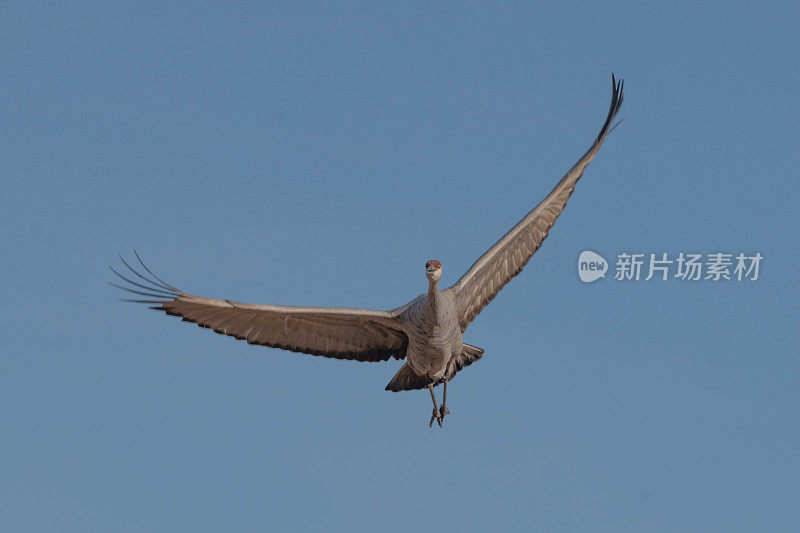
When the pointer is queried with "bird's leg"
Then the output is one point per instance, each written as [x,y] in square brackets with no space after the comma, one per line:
[436,414]
[443,410]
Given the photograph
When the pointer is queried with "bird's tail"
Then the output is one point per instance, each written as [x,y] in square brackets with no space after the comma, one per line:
[407,379]
[469,354]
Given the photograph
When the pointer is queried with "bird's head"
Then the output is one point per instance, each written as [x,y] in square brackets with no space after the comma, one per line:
[433,269]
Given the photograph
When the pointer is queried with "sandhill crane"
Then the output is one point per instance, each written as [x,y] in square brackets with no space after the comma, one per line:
[427,331]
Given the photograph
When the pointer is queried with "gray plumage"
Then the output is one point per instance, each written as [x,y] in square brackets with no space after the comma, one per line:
[427,331]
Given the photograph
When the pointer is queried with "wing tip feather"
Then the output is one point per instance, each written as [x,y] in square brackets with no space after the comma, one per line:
[149,287]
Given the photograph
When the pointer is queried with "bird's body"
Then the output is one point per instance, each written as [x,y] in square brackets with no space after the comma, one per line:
[427,332]
[434,338]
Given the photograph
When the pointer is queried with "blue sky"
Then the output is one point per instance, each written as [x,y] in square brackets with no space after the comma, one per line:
[319,154]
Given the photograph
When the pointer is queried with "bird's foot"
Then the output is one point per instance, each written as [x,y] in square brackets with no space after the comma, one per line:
[436,416]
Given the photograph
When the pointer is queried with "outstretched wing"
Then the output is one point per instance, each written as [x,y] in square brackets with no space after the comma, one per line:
[336,332]
[509,255]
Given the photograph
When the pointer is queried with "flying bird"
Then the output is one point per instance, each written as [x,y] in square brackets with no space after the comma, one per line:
[427,332]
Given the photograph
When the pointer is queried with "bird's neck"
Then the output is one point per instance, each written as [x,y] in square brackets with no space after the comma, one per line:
[433,294]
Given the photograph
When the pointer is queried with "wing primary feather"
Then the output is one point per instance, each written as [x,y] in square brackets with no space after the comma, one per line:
[152,294]
[136,272]
[615,125]
[141,286]
[151,272]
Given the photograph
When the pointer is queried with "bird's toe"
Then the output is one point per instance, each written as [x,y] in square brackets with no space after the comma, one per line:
[436,416]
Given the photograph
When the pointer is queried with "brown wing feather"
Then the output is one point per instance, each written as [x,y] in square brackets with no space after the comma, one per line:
[341,333]
[489,274]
